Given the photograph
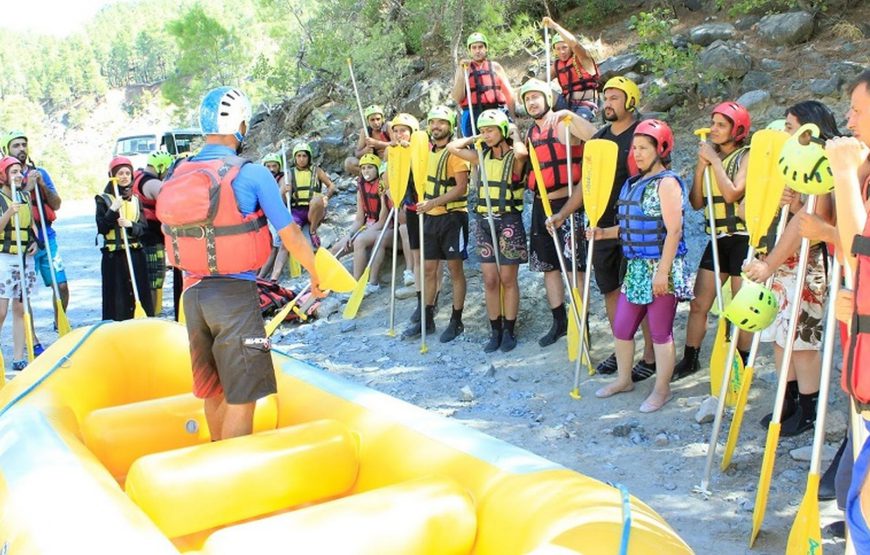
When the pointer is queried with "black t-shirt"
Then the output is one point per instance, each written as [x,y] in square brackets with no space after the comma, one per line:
[623,143]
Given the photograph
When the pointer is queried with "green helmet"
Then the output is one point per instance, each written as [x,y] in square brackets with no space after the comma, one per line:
[536,85]
[476,37]
[442,112]
[805,167]
[160,161]
[274,158]
[556,39]
[776,125]
[753,308]
[372,110]
[11,136]
[302,147]
[494,118]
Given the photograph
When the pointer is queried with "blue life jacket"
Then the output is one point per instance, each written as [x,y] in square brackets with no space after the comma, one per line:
[641,235]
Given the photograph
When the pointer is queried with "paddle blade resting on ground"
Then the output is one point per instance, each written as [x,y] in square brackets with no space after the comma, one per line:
[764,480]
[718,359]
[63,326]
[764,182]
[138,311]
[737,418]
[359,291]
[805,537]
[599,169]
[420,160]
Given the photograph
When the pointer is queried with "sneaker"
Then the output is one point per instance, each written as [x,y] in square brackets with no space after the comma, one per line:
[827,489]
[686,367]
[372,288]
[643,370]
[607,366]
[413,330]
[797,424]
[405,292]
[557,330]
[315,240]
[19,365]
[508,341]
[494,341]
[452,331]
[835,529]
[38,349]
[408,277]
[787,412]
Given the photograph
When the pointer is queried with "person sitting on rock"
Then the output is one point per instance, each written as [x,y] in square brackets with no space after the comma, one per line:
[487,80]
[373,140]
[307,203]
[576,71]
[274,162]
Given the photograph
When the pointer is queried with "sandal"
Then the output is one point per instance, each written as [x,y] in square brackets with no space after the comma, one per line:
[607,366]
[642,370]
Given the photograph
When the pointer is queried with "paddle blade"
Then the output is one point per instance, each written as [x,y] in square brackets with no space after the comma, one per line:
[726,298]
[3,372]
[28,334]
[397,159]
[737,419]
[717,357]
[420,160]
[181,319]
[573,339]
[332,273]
[295,267]
[764,182]
[139,312]
[158,301]
[764,480]
[805,537]
[63,326]
[276,320]
[599,170]
[539,180]
[356,297]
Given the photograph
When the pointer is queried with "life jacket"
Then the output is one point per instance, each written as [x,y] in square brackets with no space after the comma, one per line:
[304,184]
[727,220]
[149,205]
[553,159]
[573,78]
[643,235]
[205,232]
[438,183]
[856,372]
[8,242]
[379,134]
[113,241]
[485,87]
[371,197]
[50,214]
[505,194]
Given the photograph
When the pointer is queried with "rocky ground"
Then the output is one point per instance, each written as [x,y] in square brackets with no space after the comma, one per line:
[522,398]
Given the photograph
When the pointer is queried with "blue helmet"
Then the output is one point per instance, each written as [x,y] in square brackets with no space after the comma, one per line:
[223,110]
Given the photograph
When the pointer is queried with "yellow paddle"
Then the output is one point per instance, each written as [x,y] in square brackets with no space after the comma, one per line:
[599,170]
[764,187]
[181,317]
[419,157]
[138,311]
[333,276]
[359,291]
[63,326]
[22,281]
[398,172]
[574,336]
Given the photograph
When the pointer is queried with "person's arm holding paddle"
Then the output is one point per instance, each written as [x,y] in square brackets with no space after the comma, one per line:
[732,191]
[576,48]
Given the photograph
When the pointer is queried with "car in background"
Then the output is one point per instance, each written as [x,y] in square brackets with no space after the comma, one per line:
[138,146]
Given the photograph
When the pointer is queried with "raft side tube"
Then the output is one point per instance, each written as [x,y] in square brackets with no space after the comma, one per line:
[205,486]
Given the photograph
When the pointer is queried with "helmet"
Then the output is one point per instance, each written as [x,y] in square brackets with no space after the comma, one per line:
[160,161]
[805,167]
[753,308]
[776,125]
[407,120]
[494,118]
[557,39]
[659,131]
[223,110]
[6,163]
[275,158]
[536,85]
[11,136]
[629,87]
[372,110]
[302,147]
[370,159]
[442,112]
[476,37]
[738,116]
[117,162]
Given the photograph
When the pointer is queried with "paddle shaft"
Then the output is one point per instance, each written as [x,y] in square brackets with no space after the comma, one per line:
[547,53]
[573,232]
[358,103]
[585,308]
[44,227]
[711,221]
[127,254]
[468,98]
[28,332]
[380,238]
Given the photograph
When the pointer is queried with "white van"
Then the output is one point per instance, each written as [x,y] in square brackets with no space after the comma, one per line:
[138,146]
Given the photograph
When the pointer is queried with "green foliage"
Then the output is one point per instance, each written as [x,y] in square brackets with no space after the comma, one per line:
[744,7]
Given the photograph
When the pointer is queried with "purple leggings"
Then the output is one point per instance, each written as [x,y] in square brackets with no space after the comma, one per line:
[661,314]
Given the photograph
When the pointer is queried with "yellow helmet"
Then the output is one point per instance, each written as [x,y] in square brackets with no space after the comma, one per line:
[407,120]
[370,159]
[629,87]
[536,85]
[805,167]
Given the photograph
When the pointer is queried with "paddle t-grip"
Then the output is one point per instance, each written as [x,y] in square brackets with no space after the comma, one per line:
[702,133]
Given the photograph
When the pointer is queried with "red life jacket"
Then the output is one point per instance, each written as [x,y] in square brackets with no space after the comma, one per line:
[856,372]
[379,134]
[486,91]
[50,215]
[573,78]
[370,191]
[204,231]
[148,205]
[553,158]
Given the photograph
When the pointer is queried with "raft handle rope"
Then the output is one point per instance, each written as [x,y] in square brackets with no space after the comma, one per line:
[59,363]
[626,516]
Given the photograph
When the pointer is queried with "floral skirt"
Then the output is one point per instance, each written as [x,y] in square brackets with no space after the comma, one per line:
[10,276]
[639,272]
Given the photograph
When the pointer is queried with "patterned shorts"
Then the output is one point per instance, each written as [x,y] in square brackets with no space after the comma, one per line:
[155,260]
[511,236]
[10,276]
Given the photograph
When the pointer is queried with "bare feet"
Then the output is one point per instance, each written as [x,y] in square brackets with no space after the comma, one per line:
[655,401]
[613,389]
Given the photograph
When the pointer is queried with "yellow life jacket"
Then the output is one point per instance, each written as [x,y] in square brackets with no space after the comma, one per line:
[305,184]
[130,211]
[437,184]
[727,220]
[505,195]
[8,242]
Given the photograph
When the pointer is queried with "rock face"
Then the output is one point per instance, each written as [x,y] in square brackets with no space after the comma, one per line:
[786,28]
[755,101]
[727,59]
[708,33]
[618,65]
[826,87]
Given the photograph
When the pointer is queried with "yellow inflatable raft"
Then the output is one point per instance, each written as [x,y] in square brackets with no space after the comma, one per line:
[103,450]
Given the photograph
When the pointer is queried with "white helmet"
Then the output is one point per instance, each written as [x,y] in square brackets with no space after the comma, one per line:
[222,112]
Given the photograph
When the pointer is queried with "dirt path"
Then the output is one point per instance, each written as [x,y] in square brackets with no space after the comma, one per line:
[522,398]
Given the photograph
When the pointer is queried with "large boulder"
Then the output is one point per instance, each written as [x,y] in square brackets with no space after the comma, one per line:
[423,95]
[755,80]
[708,33]
[726,58]
[826,87]
[618,65]
[786,28]
[755,101]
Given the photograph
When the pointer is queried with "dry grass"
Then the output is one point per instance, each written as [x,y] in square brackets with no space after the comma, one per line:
[845,30]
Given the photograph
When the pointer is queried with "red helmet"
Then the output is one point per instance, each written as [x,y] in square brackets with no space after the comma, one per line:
[6,163]
[660,132]
[117,162]
[739,118]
